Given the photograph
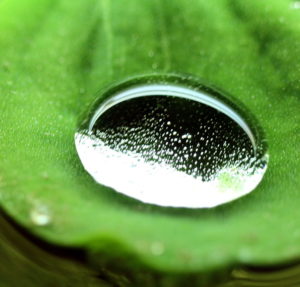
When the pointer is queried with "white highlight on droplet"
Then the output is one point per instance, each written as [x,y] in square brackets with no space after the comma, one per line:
[159,183]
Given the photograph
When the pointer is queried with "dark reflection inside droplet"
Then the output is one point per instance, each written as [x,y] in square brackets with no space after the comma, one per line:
[187,135]
[171,146]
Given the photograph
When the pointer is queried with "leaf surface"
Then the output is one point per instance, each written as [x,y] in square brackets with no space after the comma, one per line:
[54,56]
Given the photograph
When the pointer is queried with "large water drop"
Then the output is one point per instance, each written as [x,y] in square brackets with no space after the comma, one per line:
[171,145]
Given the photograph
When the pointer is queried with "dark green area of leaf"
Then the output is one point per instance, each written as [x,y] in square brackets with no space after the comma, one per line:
[54,56]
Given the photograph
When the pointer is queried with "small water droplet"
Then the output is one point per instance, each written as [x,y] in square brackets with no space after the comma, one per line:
[157,248]
[154,66]
[45,175]
[151,54]
[208,156]
[40,215]
[186,136]
[6,66]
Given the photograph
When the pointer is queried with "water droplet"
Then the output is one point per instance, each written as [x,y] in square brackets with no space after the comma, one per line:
[6,66]
[186,136]
[210,154]
[154,66]
[81,91]
[40,215]
[157,248]
[151,54]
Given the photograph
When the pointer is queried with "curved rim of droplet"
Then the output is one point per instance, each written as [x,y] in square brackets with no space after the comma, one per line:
[175,91]
[184,86]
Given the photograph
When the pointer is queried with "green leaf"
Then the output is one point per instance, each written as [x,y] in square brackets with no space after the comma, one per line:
[54,56]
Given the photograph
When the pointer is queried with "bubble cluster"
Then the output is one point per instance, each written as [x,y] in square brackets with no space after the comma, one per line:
[170,151]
